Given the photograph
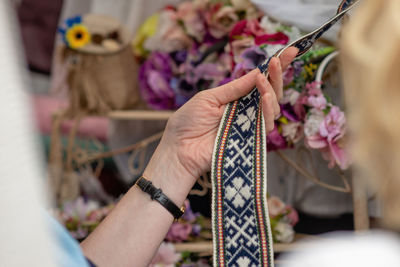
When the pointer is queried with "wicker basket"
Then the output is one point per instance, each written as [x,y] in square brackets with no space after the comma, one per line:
[100,78]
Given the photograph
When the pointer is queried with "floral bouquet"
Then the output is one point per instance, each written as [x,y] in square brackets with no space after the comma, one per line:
[81,216]
[282,217]
[187,228]
[202,44]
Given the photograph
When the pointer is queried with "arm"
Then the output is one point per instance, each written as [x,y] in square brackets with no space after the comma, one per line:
[136,226]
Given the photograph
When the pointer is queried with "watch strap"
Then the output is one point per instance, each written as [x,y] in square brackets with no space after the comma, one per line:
[157,194]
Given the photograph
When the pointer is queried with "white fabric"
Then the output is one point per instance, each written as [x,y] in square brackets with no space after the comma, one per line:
[369,249]
[305,14]
[130,13]
[24,234]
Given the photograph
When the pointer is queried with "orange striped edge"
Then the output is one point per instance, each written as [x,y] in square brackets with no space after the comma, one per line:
[219,168]
[258,190]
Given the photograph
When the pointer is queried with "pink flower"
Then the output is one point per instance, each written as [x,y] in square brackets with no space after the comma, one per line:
[275,140]
[333,126]
[331,151]
[165,256]
[192,20]
[316,98]
[249,28]
[179,232]
[238,46]
[288,75]
[328,139]
[314,88]
[299,108]
[275,206]
[318,102]
[221,20]
[292,131]
[169,36]
[254,28]
[292,216]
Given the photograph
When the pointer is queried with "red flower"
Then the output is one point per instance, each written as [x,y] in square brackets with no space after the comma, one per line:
[238,29]
[276,38]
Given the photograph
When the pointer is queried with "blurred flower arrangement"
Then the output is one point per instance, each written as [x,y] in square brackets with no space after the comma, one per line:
[202,44]
[187,228]
[282,217]
[82,216]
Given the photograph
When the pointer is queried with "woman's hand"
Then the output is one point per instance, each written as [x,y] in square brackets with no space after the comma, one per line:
[187,145]
[136,226]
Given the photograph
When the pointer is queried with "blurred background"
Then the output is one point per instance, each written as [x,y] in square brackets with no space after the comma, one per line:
[106,75]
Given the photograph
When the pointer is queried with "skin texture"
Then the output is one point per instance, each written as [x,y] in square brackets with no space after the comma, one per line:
[131,234]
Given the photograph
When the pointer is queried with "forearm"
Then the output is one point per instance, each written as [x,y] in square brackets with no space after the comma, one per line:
[131,234]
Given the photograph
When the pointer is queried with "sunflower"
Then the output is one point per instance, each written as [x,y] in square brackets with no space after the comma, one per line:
[77,36]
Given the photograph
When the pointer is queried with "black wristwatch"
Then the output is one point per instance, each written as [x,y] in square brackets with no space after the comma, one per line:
[157,195]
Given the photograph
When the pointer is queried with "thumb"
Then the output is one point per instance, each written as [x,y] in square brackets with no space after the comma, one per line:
[235,89]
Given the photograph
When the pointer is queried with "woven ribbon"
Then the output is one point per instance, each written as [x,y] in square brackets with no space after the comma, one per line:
[240,222]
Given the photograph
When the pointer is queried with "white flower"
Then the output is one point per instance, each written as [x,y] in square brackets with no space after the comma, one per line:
[275,206]
[269,26]
[292,131]
[285,232]
[169,35]
[272,27]
[290,96]
[311,126]
[293,34]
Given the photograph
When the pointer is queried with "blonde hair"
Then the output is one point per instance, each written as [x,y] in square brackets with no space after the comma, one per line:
[371,70]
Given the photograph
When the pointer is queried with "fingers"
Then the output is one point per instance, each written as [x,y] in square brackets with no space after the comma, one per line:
[269,102]
[288,56]
[242,86]
[275,77]
[264,88]
[268,111]
[236,89]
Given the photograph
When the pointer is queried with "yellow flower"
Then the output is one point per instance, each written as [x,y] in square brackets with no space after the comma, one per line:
[310,69]
[148,29]
[283,120]
[77,36]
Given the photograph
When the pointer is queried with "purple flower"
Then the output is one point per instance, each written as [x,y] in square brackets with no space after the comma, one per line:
[275,140]
[179,56]
[189,215]
[250,58]
[179,232]
[154,81]
[297,67]
[196,229]
[288,111]
[198,78]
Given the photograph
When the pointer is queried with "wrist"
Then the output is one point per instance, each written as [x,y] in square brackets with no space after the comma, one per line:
[167,173]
